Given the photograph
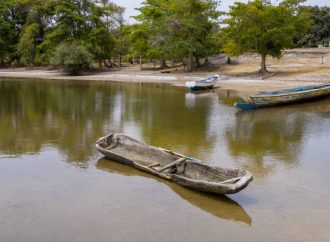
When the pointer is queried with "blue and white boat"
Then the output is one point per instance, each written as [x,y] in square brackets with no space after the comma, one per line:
[286,96]
[203,84]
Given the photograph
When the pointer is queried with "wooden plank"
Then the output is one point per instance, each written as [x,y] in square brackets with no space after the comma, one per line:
[154,164]
[174,163]
[177,154]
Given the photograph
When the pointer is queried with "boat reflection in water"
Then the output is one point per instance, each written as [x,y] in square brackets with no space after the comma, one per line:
[218,205]
[267,138]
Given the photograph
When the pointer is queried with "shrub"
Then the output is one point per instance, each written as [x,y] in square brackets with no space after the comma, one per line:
[72,57]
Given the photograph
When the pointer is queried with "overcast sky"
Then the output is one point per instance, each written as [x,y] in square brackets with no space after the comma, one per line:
[130,5]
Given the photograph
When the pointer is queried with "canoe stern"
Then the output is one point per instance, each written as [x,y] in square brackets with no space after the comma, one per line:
[214,187]
[213,179]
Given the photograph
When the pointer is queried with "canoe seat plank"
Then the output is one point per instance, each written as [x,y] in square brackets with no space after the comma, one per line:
[174,163]
[154,164]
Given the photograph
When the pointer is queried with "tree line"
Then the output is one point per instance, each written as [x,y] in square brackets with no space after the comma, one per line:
[76,33]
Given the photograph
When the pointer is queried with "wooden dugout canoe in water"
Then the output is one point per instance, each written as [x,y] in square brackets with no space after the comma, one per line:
[172,166]
[286,96]
[222,207]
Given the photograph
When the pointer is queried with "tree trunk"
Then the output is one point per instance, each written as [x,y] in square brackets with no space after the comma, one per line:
[228,60]
[190,62]
[141,62]
[119,60]
[263,65]
[2,62]
[162,63]
[198,64]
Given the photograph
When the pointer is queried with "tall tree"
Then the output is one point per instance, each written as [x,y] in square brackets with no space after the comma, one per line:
[26,47]
[110,25]
[138,37]
[180,29]
[4,31]
[262,28]
[83,22]
[70,20]
[153,19]
[32,31]
[13,15]
[320,29]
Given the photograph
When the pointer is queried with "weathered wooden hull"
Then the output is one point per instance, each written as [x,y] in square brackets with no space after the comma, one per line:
[210,203]
[185,171]
[286,96]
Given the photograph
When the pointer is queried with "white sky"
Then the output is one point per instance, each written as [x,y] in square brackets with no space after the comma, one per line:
[130,6]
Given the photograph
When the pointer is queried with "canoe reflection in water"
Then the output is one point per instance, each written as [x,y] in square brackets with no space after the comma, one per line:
[219,206]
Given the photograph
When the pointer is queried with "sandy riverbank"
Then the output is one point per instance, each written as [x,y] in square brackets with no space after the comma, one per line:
[298,67]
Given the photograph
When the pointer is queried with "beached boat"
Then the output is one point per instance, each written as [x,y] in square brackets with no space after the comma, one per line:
[203,84]
[286,96]
[172,166]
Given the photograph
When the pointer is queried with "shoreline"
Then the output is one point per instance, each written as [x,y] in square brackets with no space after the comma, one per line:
[241,84]
[297,67]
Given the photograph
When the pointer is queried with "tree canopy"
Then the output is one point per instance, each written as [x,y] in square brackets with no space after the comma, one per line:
[73,57]
[34,32]
[319,30]
[179,29]
[31,30]
[263,28]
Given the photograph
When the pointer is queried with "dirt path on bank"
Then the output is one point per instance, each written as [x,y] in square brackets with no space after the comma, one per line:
[298,67]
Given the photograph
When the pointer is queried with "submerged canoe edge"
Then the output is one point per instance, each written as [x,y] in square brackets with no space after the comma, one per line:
[173,166]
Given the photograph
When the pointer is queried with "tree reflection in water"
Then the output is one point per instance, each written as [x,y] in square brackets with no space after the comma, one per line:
[263,135]
[71,115]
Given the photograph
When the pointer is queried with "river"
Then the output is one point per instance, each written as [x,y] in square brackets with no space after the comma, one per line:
[54,185]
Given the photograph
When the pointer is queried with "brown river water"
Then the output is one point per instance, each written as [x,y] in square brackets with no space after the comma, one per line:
[54,186]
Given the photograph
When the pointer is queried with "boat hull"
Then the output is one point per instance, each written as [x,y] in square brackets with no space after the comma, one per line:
[286,96]
[204,84]
[245,106]
[186,171]
[200,88]
[291,97]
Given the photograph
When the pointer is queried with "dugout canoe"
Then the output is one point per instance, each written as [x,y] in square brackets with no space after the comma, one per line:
[173,166]
[286,96]
[222,207]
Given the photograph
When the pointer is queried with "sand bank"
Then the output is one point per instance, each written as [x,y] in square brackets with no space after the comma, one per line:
[298,67]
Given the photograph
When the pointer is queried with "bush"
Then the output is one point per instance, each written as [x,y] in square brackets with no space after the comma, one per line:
[72,57]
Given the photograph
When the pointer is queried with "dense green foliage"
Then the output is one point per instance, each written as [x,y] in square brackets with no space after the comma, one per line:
[319,31]
[13,15]
[71,56]
[262,28]
[179,29]
[31,30]
[34,32]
